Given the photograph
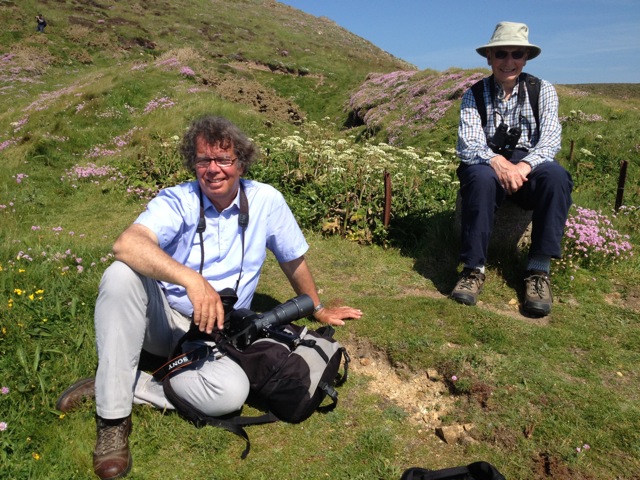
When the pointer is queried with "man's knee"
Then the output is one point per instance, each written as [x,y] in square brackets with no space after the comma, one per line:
[477,180]
[119,279]
[552,176]
[215,390]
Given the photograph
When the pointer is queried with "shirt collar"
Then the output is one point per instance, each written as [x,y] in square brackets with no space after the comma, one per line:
[233,208]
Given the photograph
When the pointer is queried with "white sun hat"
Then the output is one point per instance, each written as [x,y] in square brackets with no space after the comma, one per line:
[510,34]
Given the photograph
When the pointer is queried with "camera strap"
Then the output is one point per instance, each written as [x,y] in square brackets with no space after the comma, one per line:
[243,222]
[175,364]
[522,85]
[521,96]
[532,85]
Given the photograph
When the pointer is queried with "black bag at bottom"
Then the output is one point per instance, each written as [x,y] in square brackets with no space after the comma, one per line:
[473,471]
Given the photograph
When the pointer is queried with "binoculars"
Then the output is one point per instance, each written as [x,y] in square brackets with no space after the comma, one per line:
[505,140]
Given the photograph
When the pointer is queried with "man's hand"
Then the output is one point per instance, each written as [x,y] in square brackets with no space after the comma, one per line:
[511,176]
[208,310]
[337,315]
[138,247]
[299,275]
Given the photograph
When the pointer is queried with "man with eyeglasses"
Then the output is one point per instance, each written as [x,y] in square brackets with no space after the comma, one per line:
[189,244]
[507,150]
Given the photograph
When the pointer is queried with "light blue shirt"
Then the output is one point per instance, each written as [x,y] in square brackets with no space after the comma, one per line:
[472,147]
[173,216]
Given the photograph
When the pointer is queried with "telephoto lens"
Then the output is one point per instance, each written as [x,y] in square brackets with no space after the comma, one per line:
[287,312]
[245,326]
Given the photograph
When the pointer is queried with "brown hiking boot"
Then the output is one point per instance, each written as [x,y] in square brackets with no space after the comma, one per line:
[468,287]
[537,294]
[73,396]
[112,458]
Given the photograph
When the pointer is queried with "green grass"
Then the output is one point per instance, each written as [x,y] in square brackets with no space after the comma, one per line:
[560,381]
[534,391]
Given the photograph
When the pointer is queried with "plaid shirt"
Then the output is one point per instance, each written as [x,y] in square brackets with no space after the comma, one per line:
[472,147]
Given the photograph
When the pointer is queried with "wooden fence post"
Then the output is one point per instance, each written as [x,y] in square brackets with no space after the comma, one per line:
[571,154]
[621,181]
[387,200]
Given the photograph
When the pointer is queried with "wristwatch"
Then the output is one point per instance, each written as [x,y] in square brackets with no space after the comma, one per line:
[317,308]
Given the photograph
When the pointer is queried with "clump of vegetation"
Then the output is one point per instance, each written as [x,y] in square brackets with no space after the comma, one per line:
[590,240]
[405,103]
[337,185]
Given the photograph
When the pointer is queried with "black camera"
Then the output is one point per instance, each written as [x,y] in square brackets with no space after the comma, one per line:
[505,140]
[242,327]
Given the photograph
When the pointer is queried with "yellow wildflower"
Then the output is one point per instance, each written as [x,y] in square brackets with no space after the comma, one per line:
[35,455]
[17,291]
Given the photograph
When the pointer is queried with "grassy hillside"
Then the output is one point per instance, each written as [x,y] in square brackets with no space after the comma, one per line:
[260,44]
[90,116]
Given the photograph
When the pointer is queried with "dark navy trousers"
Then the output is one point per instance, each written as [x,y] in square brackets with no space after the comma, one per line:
[547,192]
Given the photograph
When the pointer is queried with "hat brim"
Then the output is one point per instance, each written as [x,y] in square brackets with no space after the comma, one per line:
[534,50]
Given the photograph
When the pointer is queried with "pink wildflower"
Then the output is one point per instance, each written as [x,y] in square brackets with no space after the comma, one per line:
[162,102]
[7,143]
[20,176]
[187,72]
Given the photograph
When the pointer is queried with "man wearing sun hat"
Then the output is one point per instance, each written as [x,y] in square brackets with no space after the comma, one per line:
[507,152]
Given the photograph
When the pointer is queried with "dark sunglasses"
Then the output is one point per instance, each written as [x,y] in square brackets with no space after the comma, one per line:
[502,54]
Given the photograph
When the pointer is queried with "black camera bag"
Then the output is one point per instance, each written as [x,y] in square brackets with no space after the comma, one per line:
[291,370]
[473,471]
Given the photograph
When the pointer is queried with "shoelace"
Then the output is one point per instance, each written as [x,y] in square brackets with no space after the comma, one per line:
[469,281]
[538,285]
[111,438]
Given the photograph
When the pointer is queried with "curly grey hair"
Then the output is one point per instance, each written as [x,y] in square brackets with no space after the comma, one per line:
[217,131]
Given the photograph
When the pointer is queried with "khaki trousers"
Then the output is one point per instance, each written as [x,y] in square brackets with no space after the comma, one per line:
[132,314]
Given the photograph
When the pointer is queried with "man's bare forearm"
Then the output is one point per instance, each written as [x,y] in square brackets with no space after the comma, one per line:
[138,247]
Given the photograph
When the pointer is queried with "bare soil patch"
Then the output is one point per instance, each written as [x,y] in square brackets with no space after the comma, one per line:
[629,299]
[423,396]
[546,466]
[257,97]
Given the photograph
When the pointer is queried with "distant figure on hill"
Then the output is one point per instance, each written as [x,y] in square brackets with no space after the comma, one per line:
[192,241]
[506,144]
[41,23]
